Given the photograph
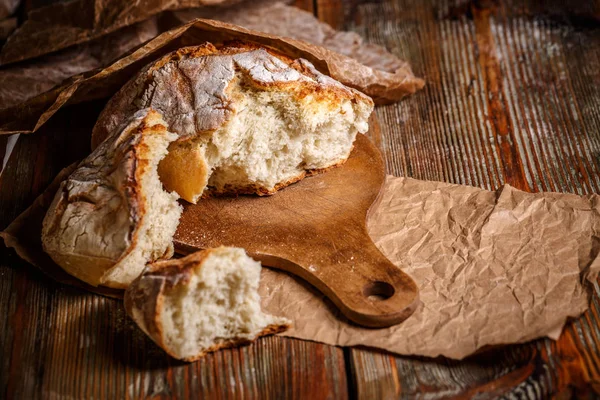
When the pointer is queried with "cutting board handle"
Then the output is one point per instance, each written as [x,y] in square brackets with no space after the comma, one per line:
[367,288]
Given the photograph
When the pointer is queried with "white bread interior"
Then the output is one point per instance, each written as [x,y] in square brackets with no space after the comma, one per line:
[112,216]
[201,303]
[158,223]
[271,140]
[200,120]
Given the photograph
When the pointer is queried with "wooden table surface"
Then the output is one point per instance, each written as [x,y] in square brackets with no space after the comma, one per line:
[512,95]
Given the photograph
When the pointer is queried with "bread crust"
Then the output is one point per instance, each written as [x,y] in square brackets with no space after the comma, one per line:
[229,190]
[94,219]
[305,81]
[269,330]
[144,300]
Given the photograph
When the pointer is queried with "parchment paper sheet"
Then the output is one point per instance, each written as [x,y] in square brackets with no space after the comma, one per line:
[7,26]
[280,19]
[21,82]
[492,267]
[8,7]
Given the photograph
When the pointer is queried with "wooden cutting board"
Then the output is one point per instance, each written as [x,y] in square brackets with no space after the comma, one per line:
[315,229]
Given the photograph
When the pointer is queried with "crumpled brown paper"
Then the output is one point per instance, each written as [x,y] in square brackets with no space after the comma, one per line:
[7,26]
[301,25]
[24,235]
[60,25]
[492,267]
[21,82]
[8,7]
[29,116]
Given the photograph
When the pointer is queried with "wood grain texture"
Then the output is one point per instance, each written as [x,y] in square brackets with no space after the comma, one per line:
[512,95]
[85,346]
[307,5]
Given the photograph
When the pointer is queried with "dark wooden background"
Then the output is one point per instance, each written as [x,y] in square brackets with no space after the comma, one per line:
[512,95]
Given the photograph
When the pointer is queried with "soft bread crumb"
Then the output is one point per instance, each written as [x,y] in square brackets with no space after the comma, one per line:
[206,301]
[158,223]
[272,138]
[111,215]
[240,119]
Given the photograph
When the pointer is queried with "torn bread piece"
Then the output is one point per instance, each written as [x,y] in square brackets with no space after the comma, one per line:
[201,303]
[112,216]
[248,119]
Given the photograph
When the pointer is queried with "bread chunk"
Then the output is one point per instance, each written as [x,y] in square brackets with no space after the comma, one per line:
[112,216]
[248,119]
[201,303]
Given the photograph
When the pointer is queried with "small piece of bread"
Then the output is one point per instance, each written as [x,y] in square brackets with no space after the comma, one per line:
[112,216]
[201,303]
[248,119]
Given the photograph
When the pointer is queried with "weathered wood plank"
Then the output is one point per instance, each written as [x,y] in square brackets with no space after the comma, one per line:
[331,11]
[307,5]
[510,97]
[84,346]
[99,349]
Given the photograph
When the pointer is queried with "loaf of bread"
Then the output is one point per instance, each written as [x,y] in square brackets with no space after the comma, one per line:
[248,119]
[200,120]
[201,303]
[112,216]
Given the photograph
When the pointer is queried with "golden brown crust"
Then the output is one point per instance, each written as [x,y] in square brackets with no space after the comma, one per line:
[144,303]
[198,90]
[94,221]
[182,268]
[229,190]
[269,330]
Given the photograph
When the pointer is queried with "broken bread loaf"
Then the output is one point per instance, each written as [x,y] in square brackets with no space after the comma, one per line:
[234,119]
[112,216]
[248,119]
[201,303]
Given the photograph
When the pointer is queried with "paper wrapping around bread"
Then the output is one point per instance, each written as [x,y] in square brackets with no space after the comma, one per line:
[382,86]
[293,22]
[8,8]
[64,24]
[27,79]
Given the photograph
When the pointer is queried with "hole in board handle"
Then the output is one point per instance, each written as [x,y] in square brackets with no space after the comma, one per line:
[378,290]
